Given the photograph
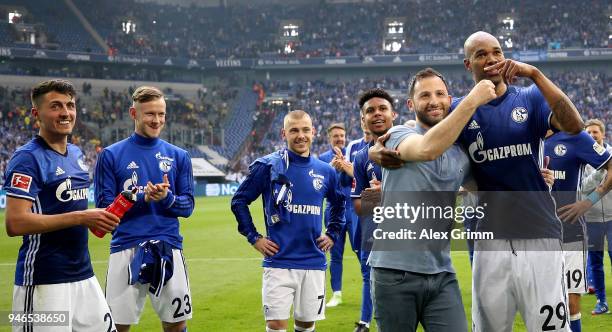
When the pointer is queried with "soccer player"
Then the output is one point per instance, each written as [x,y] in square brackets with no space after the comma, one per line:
[162,175]
[47,184]
[420,286]
[336,135]
[367,177]
[569,154]
[504,142]
[599,221]
[293,185]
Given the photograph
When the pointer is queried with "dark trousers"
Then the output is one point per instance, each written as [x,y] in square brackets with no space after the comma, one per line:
[403,299]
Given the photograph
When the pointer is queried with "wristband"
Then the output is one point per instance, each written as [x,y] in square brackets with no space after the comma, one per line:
[594,197]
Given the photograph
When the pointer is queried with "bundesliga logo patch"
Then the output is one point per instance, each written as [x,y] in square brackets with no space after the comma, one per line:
[21,181]
[599,149]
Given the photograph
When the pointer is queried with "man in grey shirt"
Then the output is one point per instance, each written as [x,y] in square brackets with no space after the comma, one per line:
[415,282]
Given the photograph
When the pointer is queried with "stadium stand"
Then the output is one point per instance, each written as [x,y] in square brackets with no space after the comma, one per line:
[329,29]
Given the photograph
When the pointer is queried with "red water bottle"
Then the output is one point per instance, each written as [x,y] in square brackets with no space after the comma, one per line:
[122,203]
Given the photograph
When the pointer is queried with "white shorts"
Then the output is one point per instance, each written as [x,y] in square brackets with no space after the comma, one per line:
[305,289]
[127,301]
[83,300]
[519,275]
[575,267]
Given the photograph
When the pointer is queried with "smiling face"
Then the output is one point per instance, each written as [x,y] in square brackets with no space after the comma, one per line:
[431,101]
[298,132]
[337,138]
[378,115]
[56,114]
[149,117]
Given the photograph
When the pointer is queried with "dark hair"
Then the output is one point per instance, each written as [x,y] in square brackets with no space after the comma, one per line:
[421,74]
[59,86]
[375,93]
[145,94]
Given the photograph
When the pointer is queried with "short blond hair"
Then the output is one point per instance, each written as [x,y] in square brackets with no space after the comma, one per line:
[294,115]
[596,122]
[146,94]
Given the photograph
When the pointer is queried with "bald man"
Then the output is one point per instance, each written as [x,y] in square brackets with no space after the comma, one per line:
[292,184]
[522,268]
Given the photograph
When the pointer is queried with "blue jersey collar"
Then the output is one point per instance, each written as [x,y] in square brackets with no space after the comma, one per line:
[501,98]
[297,159]
[144,141]
[41,141]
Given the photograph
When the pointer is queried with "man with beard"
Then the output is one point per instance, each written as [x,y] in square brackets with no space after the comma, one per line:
[420,286]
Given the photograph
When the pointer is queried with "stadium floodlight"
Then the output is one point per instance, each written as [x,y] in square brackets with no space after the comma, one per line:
[14,17]
[128,27]
[393,39]
[289,35]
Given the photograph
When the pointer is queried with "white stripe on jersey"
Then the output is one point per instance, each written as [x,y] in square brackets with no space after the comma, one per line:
[349,148]
[33,246]
[20,196]
[541,153]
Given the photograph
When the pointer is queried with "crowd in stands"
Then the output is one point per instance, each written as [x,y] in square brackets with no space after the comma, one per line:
[332,29]
[17,126]
[329,102]
[106,110]
[326,101]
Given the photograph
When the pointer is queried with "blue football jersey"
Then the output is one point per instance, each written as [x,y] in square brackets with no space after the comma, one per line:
[364,171]
[505,142]
[311,181]
[569,154]
[55,183]
[130,164]
[346,184]
[355,146]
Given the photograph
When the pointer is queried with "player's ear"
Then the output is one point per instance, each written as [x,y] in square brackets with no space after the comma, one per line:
[34,112]
[283,134]
[132,113]
[314,131]
[410,104]
[467,64]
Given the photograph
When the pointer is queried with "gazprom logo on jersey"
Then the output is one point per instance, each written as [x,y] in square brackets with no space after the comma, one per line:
[90,196]
[132,183]
[480,155]
[221,189]
[65,193]
[304,209]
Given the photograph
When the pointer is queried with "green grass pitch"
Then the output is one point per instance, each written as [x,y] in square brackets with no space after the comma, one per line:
[225,277]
